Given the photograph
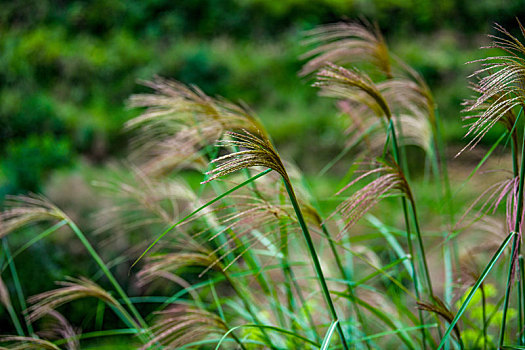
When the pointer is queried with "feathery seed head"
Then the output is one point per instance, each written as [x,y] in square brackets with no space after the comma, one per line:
[73,289]
[344,43]
[254,150]
[390,180]
[26,343]
[183,324]
[25,210]
[501,88]
[339,82]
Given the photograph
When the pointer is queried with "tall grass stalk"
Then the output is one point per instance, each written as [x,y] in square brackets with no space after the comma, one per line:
[315,259]
[18,285]
[395,150]
[515,245]
[141,325]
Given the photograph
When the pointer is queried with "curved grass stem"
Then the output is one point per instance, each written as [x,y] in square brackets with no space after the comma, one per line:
[141,325]
[315,259]
[515,245]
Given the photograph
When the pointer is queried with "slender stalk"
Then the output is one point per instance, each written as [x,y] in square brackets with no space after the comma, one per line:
[141,323]
[346,277]
[515,244]
[304,306]
[12,313]
[522,286]
[484,315]
[421,248]
[476,286]
[339,264]
[221,315]
[315,259]
[248,306]
[395,149]
[18,285]
[520,299]
[442,173]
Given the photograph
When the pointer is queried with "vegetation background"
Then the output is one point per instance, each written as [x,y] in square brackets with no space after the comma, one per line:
[67,68]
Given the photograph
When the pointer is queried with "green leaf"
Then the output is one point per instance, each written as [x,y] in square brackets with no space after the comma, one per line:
[253,178]
[276,329]
[476,286]
[328,336]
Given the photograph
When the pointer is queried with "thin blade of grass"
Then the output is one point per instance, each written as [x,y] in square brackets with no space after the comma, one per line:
[328,335]
[476,286]
[98,334]
[253,178]
[383,229]
[406,329]
[33,241]
[315,259]
[18,285]
[80,235]
[385,318]
[276,329]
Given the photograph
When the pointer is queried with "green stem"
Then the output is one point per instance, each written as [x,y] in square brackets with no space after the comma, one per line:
[315,259]
[18,285]
[476,286]
[421,248]
[346,277]
[338,262]
[304,305]
[395,149]
[515,244]
[142,324]
[522,279]
[248,306]
[484,315]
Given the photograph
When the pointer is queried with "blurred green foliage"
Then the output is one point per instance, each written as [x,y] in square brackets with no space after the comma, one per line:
[66,67]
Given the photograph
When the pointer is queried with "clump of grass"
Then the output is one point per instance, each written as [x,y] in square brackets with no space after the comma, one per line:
[249,259]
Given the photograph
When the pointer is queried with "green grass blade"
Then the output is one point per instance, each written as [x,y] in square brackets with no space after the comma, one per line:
[396,331]
[476,286]
[383,229]
[34,240]
[98,334]
[329,334]
[193,345]
[110,276]
[385,318]
[315,259]
[253,178]
[18,286]
[272,328]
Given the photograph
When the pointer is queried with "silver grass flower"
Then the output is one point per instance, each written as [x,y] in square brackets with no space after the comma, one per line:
[25,210]
[171,262]
[501,88]
[73,289]
[254,150]
[181,119]
[140,201]
[390,180]
[26,343]
[489,200]
[344,43]
[182,324]
[336,81]
[58,327]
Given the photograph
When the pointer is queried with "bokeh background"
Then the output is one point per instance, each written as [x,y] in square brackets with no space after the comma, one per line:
[67,68]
